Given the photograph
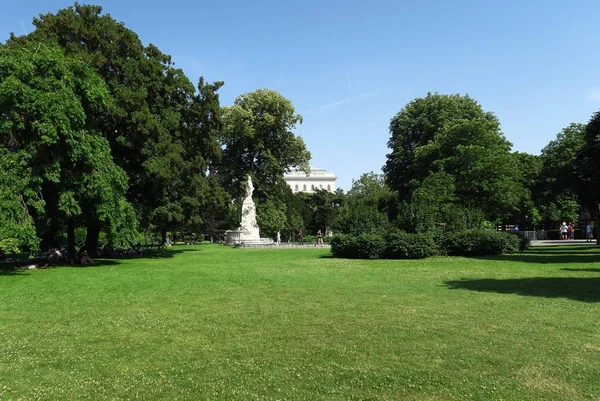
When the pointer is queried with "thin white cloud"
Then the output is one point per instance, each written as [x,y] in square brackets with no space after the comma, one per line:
[593,95]
[345,101]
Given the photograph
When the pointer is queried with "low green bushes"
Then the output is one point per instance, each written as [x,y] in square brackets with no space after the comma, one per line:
[410,246]
[480,243]
[401,245]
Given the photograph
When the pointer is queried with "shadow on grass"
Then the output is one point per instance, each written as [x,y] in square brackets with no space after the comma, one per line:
[583,289]
[564,249]
[16,267]
[328,256]
[589,269]
[547,255]
[12,272]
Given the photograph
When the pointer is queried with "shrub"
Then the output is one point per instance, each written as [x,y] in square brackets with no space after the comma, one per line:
[344,246]
[370,246]
[480,242]
[410,246]
[524,242]
[364,246]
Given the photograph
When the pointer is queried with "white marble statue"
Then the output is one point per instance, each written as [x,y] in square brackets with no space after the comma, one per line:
[249,188]
[248,232]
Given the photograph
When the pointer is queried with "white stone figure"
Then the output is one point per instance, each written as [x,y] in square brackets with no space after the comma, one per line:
[248,232]
[249,188]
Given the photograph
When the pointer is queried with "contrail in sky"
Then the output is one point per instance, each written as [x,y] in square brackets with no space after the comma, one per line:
[344,101]
[25,31]
[349,83]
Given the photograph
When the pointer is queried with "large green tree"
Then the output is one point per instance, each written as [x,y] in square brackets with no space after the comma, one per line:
[46,135]
[258,140]
[530,169]
[161,131]
[365,206]
[452,137]
[558,185]
[587,166]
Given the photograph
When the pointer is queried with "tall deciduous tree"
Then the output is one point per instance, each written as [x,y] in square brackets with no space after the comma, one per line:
[45,99]
[160,131]
[258,140]
[415,125]
[587,166]
[453,136]
[365,207]
[558,186]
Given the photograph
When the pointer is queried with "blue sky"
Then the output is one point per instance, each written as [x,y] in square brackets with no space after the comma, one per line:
[349,66]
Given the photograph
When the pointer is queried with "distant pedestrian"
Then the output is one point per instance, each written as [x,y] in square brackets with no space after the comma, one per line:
[278,238]
[300,236]
[572,231]
[589,232]
[319,238]
[563,231]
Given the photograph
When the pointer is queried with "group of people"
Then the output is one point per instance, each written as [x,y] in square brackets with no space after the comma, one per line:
[567,231]
[301,237]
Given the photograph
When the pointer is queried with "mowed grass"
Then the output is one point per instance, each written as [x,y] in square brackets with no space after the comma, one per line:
[210,322]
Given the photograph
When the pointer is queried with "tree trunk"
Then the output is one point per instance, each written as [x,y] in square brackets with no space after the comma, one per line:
[597,228]
[163,234]
[91,239]
[50,237]
[71,238]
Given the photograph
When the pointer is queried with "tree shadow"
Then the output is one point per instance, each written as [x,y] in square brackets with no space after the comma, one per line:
[17,267]
[563,249]
[12,272]
[548,256]
[328,256]
[583,289]
[589,269]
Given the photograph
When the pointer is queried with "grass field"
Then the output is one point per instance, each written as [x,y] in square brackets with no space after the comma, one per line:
[209,322]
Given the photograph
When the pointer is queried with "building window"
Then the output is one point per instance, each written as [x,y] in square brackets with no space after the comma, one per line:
[328,187]
[296,187]
[305,187]
[312,187]
[321,186]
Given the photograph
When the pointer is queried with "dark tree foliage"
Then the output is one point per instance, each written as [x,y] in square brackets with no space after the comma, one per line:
[161,130]
[587,168]
[66,173]
[451,139]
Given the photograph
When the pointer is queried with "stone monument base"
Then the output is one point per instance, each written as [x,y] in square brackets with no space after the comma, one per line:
[241,238]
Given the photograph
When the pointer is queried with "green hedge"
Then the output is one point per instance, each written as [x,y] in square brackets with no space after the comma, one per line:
[410,246]
[481,242]
[401,245]
[393,246]
[344,246]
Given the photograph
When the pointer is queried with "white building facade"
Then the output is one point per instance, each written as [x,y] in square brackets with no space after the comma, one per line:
[317,179]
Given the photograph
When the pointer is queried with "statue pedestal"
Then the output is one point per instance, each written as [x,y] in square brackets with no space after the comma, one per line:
[241,238]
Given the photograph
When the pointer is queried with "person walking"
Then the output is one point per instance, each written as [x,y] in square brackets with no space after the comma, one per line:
[589,232]
[278,238]
[319,238]
[300,236]
[563,231]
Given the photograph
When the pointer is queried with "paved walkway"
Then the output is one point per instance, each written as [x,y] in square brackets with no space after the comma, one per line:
[285,245]
[562,242]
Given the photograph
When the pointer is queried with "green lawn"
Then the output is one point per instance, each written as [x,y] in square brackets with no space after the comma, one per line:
[209,322]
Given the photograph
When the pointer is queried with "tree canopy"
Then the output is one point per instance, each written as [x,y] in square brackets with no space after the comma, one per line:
[452,139]
[68,171]
[161,130]
[258,140]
